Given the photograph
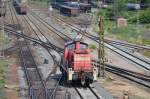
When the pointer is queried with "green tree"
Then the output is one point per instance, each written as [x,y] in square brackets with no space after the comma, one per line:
[145,16]
[133,1]
[119,7]
[145,1]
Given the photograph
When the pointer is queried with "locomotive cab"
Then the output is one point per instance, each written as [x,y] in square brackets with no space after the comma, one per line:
[77,63]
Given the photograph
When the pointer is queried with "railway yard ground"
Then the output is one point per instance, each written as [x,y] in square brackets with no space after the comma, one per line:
[33,46]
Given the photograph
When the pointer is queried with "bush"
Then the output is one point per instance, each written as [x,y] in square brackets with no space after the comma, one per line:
[144,17]
[92,47]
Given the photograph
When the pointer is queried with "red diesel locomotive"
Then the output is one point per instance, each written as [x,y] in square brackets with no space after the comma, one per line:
[76,63]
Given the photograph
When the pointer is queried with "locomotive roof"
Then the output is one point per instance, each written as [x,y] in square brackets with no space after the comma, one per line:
[73,42]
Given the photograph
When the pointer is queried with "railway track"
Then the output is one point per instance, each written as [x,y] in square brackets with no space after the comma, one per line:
[51,28]
[139,78]
[32,73]
[112,70]
[131,73]
[108,42]
[39,34]
[64,20]
[44,44]
[33,76]
[54,91]
[52,94]
[87,93]
[144,81]
[56,87]
[46,82]
[139,61]
[123,72]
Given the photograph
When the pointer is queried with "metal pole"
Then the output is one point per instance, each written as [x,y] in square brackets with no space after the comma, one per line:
[101,55]
[3,33]
[115,12]
[138,30]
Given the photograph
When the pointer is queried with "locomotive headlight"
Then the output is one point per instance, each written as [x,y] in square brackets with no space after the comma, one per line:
[70,73]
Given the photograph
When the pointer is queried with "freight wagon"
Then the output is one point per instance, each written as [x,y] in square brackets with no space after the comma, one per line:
[20,6]
[84,7]
[69,11]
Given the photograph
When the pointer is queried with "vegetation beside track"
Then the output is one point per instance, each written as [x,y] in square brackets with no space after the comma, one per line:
[134,33]
[138,21]
[3,68]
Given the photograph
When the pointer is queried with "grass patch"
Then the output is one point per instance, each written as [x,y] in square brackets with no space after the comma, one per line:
[146,53]
[3,67]
[146,41]
[130,34]
[3,39]
[133,33]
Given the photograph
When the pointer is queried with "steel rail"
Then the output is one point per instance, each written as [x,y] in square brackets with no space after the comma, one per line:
[38,27]
[92,37]
[129,57]
[55,89]
[21,57]
[33,30]
[50,27]
[107,65]
[58,82]
[106,40]
[35,66]
[139,78]
[44,44]
[136,80]
[79,93]
[93,93]
[53,94]
[62,49]
[97,96]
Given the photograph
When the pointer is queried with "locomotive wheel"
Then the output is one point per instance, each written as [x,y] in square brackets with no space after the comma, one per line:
[86,84]
[61,69]
[69,83]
